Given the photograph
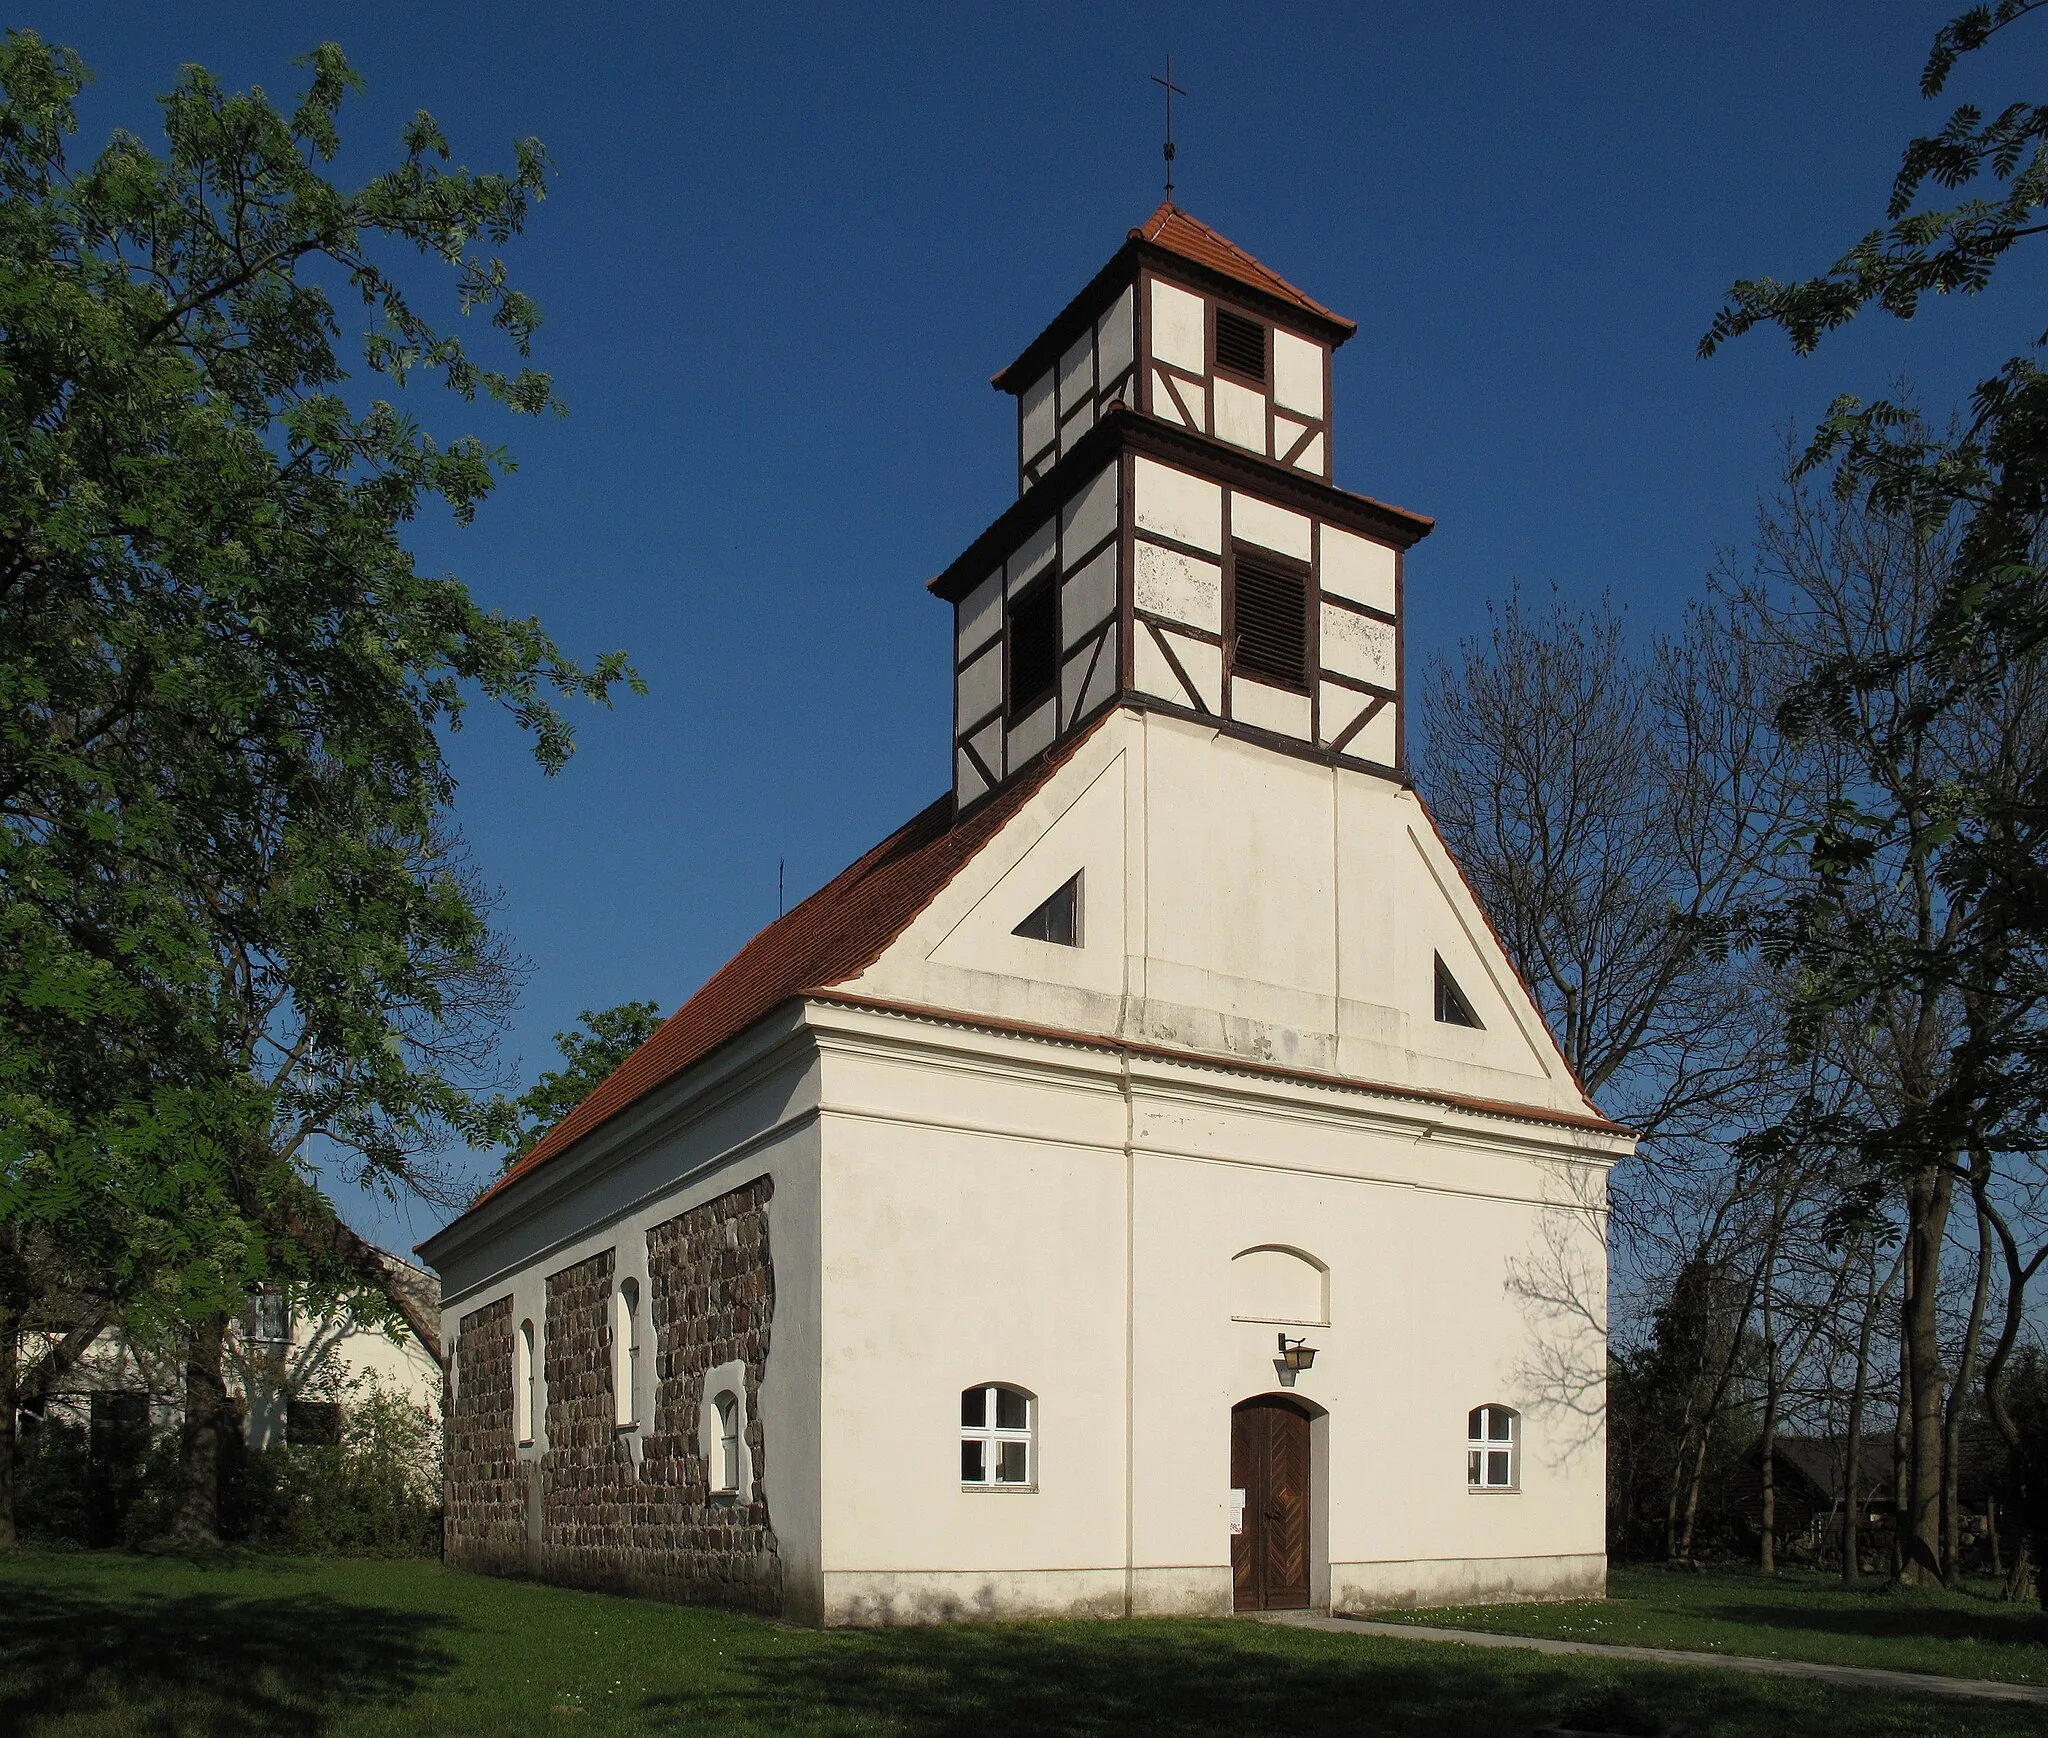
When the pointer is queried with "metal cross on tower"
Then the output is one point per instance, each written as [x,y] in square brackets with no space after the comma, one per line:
[1172,90]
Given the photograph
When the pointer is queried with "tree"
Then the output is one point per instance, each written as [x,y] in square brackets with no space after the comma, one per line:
[1926,898]
[592,1049]
[233,920]
[1880,937]
[1615,806]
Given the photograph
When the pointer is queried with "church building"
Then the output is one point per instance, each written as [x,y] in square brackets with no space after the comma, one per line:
[1141,1184]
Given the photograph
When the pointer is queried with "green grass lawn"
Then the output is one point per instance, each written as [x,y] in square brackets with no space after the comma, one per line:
[1792,1615]
[100,1644]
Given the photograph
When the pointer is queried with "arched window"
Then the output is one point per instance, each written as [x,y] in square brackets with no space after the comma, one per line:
[728,1409]
[525,1388]
[995,1438]
[626,1356]
[1493,1449]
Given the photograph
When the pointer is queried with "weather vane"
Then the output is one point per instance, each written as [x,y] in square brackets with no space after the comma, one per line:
[1172,90]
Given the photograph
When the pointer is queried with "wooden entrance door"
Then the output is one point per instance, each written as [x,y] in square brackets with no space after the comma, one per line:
[1269,1462]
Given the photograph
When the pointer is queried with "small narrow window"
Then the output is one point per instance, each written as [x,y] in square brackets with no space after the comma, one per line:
[995,1438]
[1034,648]
[1451,1006]
[626,1356]
[272,1325]
[1493,1444]
[1240,345]
[525,1388]
[1269,620]
[728,1408]
[1058,920]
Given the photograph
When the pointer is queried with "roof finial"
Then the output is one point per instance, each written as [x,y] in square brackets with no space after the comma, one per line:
[1171,90]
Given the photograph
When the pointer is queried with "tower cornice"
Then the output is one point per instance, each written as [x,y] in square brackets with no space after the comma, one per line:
[1127,430]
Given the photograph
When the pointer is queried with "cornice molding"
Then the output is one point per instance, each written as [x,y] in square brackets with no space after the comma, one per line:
[1126,430]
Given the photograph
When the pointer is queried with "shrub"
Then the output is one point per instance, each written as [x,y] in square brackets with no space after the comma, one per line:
[377,1493]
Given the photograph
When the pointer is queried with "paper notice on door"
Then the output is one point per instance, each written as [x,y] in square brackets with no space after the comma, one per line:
[1236,1512]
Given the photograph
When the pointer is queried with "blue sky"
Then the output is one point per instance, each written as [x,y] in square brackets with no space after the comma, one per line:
[787,246]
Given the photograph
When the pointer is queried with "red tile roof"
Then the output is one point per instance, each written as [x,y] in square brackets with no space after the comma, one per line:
[834,935]
[1174,230]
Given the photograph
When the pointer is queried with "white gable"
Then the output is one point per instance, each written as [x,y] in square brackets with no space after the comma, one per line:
[1236,903]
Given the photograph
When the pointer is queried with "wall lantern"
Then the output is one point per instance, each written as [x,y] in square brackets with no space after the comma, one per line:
[1295,1357]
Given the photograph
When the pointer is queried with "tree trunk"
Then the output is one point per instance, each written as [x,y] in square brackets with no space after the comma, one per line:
[1767,1549]
[1692,1491]
[1928,1198]
[202,1443]
[1958,1404]
[1767,1449]
[1852,1449]
[16,1292]
[1900,1482]
[10,1368]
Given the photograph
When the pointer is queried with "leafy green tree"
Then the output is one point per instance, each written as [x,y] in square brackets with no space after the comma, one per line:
[1927,882]
[236,933]
[591,1050]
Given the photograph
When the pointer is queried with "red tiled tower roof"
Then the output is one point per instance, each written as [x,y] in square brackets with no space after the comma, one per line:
[1174,230]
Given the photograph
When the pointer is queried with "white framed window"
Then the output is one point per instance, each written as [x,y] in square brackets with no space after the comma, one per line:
[996,1429]
[626,1356]
[1493,1449]
[727,1406]
[526,1387]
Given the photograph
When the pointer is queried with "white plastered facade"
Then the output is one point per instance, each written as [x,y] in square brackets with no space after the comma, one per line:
[999,1160]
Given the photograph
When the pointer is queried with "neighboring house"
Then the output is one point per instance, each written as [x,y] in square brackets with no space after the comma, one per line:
[290,1371]
[296,1371]
[1809,1485]
[1140,1184]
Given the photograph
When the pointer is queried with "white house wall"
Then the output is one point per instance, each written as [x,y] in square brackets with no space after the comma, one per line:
[1021,1211]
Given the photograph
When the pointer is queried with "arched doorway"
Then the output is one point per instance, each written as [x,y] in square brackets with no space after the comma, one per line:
[1270,1462]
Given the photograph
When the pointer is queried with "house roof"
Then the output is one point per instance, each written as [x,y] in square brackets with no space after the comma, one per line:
[1173,230]
[834,935]
[1822,1462]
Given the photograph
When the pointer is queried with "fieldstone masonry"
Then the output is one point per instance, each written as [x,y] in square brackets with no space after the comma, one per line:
[591,1517]
[485,1495]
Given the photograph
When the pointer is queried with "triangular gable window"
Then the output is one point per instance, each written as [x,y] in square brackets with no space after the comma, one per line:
[1058,920]
[1451,1007]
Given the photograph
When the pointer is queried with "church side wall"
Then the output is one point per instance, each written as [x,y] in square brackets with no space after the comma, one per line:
[722,1251]
[485,1484]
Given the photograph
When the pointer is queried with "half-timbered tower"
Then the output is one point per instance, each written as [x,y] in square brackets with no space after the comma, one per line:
[1139,1184]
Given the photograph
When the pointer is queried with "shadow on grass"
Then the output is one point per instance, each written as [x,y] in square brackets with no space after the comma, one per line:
[1880,1620]
[206,1663]
[1023,1681]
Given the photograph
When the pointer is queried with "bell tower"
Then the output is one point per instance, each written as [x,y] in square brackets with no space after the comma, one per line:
[1176,543]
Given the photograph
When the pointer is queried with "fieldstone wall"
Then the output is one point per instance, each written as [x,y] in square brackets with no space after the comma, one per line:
[484,1486]
[602,1515]
[713,1280]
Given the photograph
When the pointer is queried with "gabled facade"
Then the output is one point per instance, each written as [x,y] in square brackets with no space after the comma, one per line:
[1141,1184]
